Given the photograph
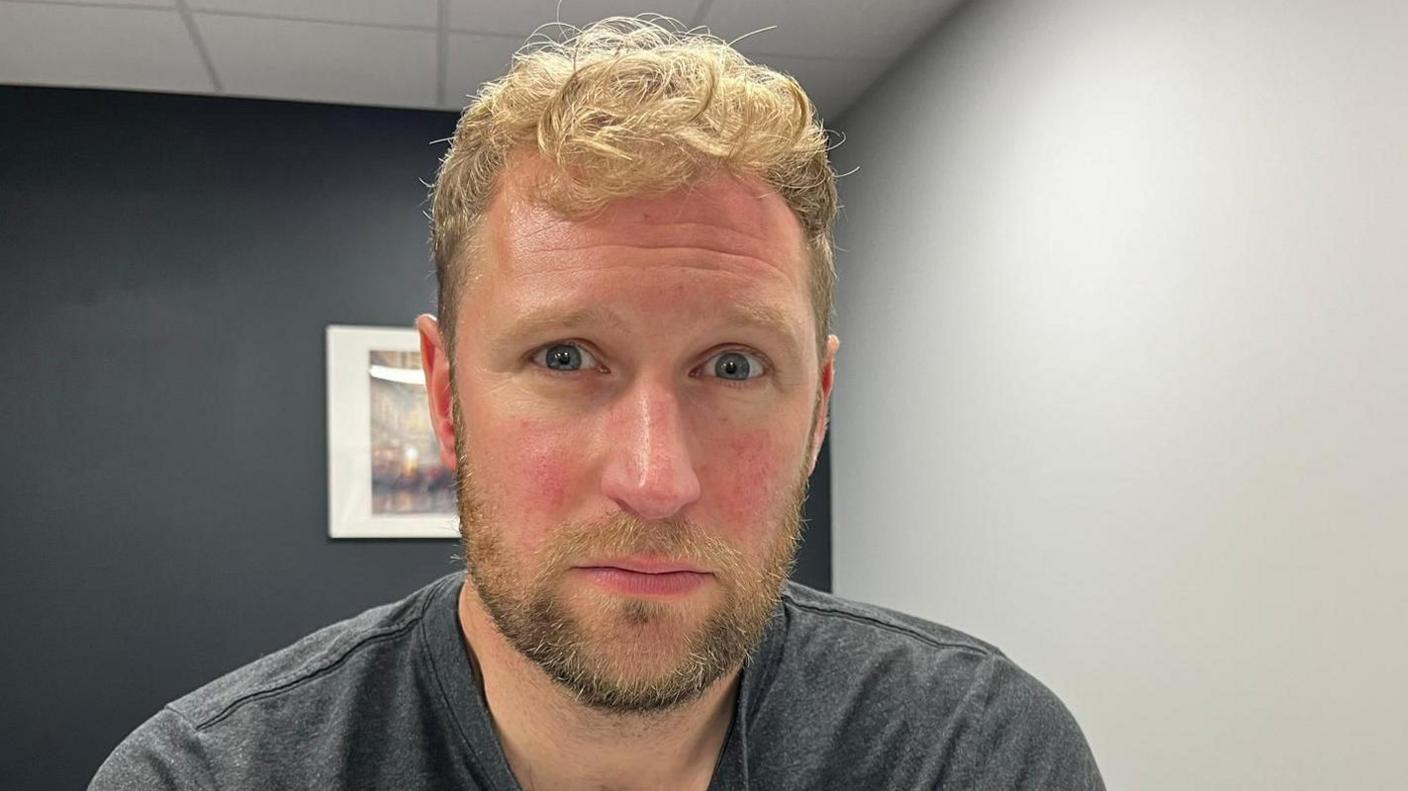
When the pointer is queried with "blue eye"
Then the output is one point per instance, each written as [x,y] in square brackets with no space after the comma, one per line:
[735,366]
[565,357]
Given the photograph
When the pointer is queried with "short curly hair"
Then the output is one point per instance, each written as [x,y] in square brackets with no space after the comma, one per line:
[633,106]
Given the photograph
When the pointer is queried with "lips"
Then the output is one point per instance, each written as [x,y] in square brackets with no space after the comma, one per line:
[648,565]
[674,581]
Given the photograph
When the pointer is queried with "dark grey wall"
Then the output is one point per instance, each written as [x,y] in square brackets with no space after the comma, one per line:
[169,266]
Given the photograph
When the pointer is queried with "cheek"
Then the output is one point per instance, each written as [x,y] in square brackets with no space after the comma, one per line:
[540,461]
[542,473]
[528,468]
[743,473]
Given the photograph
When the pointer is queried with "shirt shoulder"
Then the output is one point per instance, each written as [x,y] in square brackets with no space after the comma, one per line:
[814,610]
[317,709]
[324,652]
[866,696]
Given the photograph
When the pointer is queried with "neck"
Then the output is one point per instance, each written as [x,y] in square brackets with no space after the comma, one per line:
[553,741]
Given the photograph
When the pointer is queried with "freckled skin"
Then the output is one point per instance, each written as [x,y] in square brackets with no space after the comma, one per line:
[542,462]
[751,476]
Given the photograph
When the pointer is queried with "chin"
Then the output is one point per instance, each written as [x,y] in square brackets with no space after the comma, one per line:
[642,633]
[614,619]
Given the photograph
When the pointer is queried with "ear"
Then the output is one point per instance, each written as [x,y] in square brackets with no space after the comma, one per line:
[435,362]
[828,379]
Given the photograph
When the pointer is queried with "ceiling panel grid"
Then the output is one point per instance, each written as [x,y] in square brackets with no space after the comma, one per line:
[416,53]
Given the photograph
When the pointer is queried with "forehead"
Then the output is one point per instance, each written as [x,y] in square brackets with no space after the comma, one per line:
[727,226]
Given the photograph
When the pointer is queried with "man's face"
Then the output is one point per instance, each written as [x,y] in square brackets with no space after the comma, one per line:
[638,398]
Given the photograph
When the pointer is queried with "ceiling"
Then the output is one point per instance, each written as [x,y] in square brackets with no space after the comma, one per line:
[414,53]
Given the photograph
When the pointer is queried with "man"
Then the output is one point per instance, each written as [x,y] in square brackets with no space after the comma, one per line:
[630,372]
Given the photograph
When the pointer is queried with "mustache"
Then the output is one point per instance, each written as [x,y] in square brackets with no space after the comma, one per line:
[624,535]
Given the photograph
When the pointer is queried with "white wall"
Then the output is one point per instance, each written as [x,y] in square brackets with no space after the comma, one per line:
[1124,372]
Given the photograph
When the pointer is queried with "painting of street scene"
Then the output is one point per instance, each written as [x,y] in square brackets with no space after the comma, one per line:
[407,474]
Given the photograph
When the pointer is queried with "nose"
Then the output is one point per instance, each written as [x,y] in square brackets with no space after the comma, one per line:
[649,471]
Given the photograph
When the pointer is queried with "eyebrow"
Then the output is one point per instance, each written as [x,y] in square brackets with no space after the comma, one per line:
[540,320]
[767,318]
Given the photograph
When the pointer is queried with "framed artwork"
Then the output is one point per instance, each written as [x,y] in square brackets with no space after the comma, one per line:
[385,477]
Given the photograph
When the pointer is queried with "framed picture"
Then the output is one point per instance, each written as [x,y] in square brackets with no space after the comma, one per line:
[385,477]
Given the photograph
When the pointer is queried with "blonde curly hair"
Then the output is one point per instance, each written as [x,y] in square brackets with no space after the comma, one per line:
[633,106]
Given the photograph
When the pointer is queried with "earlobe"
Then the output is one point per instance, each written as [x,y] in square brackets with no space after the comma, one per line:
[435,363]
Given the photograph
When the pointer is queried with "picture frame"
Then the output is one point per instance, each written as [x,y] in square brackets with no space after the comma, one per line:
[385,475]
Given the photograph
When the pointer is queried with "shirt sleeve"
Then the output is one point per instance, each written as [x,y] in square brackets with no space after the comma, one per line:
[165,752]
[1027,738]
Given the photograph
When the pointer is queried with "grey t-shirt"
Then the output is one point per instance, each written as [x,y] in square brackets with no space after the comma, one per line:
[837,695]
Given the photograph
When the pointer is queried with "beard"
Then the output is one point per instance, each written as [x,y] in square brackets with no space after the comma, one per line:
[618,654]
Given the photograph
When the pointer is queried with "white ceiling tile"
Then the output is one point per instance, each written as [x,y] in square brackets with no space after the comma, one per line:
[474,60]
[832,84]
[115,3]
[321,61]
[880,29]
[424,13]
[521,17]
[96,47]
